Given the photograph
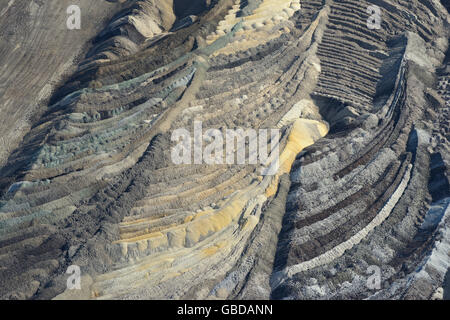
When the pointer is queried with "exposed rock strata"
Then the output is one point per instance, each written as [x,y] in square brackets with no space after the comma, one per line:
[363,176]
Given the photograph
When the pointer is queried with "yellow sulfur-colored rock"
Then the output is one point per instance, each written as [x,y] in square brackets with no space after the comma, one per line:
[304,133]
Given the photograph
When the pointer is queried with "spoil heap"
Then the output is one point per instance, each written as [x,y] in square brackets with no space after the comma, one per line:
[362,180]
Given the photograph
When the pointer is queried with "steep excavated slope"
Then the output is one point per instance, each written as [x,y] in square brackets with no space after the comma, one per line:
[37,50]
[364,135]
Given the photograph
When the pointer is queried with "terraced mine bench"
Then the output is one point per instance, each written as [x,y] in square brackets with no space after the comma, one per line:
[362,181]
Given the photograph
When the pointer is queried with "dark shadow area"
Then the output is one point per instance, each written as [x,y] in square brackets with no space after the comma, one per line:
[447,56]
[183,8]
[446,285]
[446,4]
[389,69]
[438,185]
[331,111]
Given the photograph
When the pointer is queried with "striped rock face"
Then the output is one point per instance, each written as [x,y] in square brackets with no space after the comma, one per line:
[225,149]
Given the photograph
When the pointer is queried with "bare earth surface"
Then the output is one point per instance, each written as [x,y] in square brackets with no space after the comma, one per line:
[87,177]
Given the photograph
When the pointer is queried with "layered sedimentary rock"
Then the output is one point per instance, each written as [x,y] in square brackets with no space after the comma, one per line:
[362,180]
[38,52]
